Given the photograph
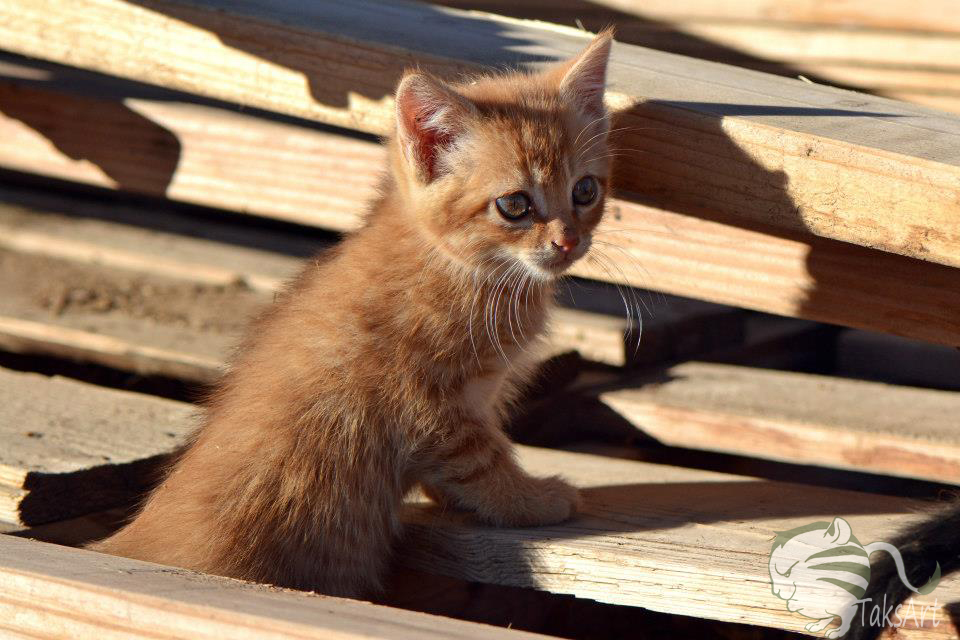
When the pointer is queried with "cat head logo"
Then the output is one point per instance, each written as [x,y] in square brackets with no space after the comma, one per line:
[822,571]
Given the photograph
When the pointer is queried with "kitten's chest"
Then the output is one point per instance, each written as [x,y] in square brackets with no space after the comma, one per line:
[484,394]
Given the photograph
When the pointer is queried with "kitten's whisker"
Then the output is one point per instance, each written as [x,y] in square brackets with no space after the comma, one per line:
[632,308]
[587,126]
[637,265]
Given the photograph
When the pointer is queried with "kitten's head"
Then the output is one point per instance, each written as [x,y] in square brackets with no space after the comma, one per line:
[508,169]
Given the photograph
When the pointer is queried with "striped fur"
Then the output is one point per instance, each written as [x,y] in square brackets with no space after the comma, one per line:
[393,359]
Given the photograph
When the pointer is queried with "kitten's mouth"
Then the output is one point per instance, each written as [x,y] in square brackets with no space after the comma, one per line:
[561,263]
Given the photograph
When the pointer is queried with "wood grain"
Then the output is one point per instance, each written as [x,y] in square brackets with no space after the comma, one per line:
[70,448]
[794,417]
[805,158]
[925,15]
[663,241]
[852,51]
[670,539]
[53,591]
[676,328]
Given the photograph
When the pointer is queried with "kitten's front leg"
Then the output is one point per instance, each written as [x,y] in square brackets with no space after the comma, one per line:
[475,469]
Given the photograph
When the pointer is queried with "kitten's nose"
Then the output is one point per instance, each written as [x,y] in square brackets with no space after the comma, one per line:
[567,243]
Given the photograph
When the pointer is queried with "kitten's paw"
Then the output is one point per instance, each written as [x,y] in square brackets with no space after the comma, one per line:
[542,501]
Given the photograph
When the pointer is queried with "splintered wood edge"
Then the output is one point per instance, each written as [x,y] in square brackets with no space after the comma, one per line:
[58,591]
[901,159]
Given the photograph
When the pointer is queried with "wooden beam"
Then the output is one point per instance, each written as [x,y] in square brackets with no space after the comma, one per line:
[70,448]
[690,254]
[925,15]
[669,539]
[675,328]
[159,146]
[49,590]
[905,63]
[797,418]
[689,250]
[757,148]
[680,541]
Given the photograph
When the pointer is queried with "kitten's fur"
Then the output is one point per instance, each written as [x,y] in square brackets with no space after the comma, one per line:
[390,361]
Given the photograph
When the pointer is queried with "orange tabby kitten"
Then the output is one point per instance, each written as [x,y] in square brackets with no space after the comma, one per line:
[389,361]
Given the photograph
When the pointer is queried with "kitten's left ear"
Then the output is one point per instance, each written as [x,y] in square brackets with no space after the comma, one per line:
[430,116]
[586,76]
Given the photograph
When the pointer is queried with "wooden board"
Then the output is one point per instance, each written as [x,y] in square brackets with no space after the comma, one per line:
[688,250]
[924,15]
[903,63]
[665,538]
[797,418]
[758,148]
[194,349]
[70,448]
[670,539]
[53,591]
[141,140]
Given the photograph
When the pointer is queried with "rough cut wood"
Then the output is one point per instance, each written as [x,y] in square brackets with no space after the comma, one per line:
[798,418]
[924,15]
[669,539]
[671,328]
[160,146]
[688,251]
[902,63]
[759,148]
[758,268]
[53,591]
[70,448]
[665,538]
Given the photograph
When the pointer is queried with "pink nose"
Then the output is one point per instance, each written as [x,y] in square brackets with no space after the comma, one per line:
[566,243]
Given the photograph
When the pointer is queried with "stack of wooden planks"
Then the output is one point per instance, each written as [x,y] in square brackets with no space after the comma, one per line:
[258,129]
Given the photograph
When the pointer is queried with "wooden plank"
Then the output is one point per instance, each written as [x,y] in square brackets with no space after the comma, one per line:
[924,15]
[805,158]
[151,325]
[70,448]
[680,541]
[797,418]
[672,328]
[905,64]
[54,591]
[200,154]
[716,259]
[689,250]
[674,540]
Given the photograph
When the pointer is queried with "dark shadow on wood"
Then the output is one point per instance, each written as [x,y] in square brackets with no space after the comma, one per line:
[143,161]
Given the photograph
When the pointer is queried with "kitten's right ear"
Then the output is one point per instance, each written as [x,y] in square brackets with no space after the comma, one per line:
[430,116]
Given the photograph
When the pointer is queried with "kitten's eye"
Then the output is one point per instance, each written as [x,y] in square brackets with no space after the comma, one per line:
[585,191]
[513,206]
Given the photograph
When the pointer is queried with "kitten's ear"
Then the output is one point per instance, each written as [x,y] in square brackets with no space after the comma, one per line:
[430,116]
[586,75]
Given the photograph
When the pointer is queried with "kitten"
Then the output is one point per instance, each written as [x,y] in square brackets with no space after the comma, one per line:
[391,360]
